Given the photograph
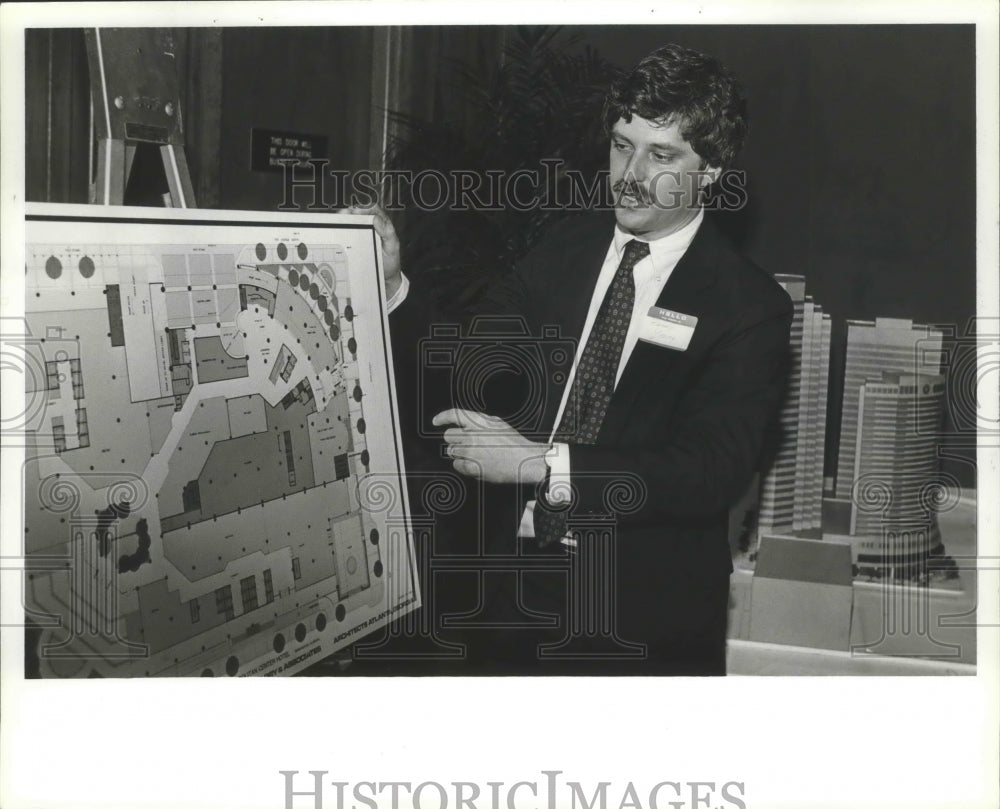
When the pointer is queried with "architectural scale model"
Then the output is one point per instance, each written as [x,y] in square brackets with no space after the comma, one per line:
[882,503]
[792,491]
[212,479]
[873,348]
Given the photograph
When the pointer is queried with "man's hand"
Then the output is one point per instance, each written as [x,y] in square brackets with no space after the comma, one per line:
[390,244]
[489,449]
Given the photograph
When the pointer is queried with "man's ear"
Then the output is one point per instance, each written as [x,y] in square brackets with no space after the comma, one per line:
[707,176]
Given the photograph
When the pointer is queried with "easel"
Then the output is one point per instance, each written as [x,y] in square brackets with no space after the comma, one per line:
[134,92]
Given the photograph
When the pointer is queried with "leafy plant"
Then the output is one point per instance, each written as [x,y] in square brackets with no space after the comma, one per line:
[535,116]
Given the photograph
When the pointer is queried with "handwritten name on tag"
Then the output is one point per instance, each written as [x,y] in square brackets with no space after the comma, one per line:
[669,329]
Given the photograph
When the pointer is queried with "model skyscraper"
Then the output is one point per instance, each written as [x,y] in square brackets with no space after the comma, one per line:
[893,524]
[888,453]
[887,456]
[873,348]
[792,491]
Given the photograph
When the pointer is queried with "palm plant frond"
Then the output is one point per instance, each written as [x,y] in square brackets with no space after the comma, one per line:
[542,101]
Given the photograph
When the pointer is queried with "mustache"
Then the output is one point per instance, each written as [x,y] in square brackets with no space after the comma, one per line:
[622,187]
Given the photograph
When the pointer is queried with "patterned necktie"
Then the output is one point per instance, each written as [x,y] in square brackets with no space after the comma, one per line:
[594,381]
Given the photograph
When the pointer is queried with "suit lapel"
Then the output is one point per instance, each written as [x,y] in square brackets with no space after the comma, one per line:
[688,291]
[567,302]
[579,273]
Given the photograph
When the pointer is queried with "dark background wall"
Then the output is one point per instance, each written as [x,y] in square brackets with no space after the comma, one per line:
[333,82]
[861,170]
[305,80]
[860,160]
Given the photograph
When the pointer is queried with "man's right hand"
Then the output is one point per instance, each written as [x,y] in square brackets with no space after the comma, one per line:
[390,244]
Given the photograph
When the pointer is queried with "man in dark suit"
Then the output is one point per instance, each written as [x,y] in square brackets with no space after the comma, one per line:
[679,371]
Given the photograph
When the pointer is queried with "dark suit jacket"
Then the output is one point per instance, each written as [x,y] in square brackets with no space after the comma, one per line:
[688,426]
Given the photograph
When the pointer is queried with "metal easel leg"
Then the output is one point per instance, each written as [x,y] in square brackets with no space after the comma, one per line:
[178,177]
[134,95]
[113,163]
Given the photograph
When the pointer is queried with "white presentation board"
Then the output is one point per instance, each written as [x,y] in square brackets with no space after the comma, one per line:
[213,478]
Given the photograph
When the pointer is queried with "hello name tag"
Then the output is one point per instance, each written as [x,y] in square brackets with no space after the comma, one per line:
[668,329]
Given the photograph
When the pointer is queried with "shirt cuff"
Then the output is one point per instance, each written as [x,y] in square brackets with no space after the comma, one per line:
[399,296]
[559,491]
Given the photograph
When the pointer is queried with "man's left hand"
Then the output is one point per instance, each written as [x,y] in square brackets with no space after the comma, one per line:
[489,449]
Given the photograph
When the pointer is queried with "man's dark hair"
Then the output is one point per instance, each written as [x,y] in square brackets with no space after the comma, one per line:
[675,85]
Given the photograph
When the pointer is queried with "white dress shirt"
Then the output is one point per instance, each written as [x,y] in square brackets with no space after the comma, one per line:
[650,276]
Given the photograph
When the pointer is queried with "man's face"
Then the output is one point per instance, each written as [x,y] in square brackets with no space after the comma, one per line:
[655,177]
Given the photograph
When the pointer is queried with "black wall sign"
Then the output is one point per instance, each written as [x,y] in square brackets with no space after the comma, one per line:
[269,146]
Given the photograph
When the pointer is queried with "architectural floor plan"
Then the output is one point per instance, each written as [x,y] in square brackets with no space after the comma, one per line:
[209,399]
